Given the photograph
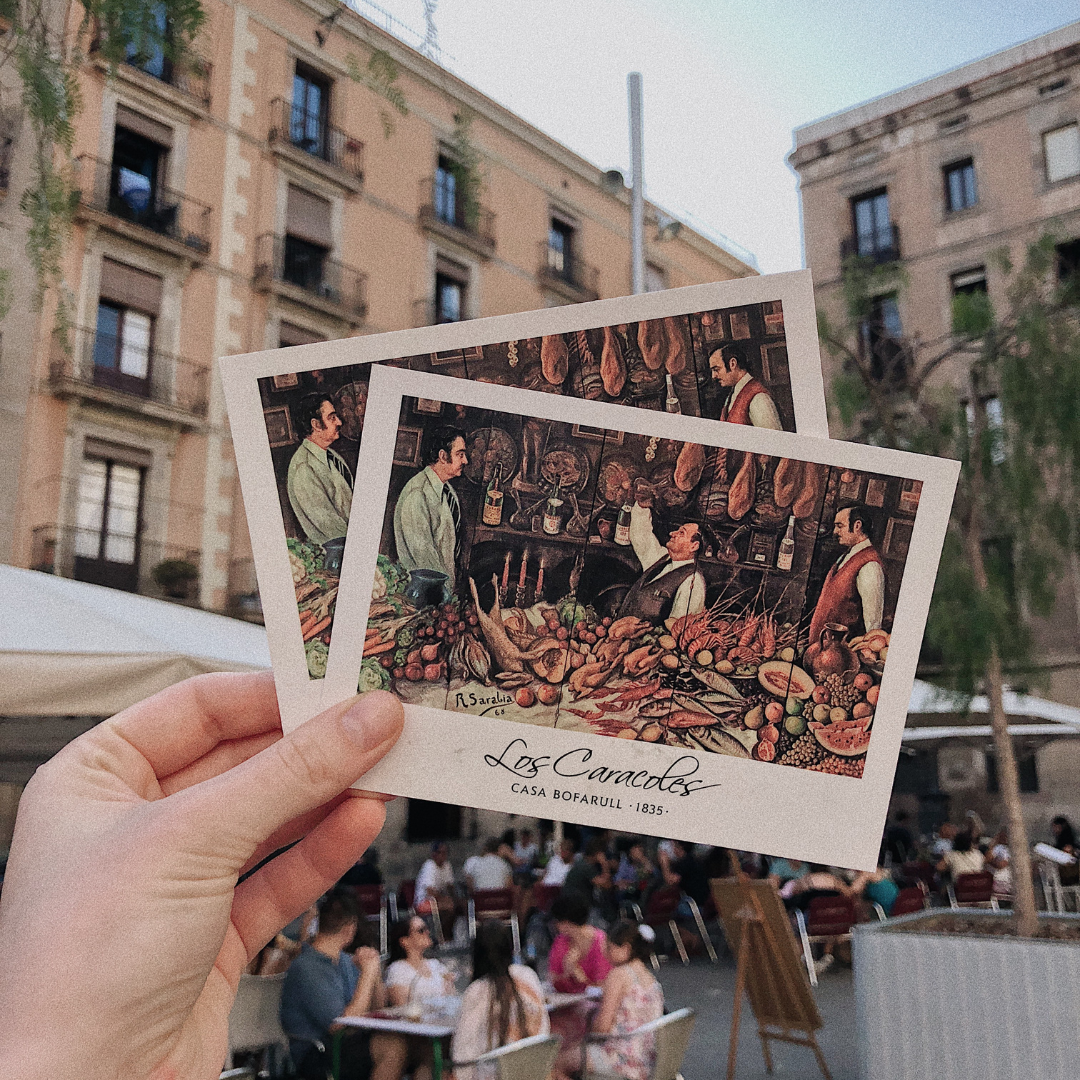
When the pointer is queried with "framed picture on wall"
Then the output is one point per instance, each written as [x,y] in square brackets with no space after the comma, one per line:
[287,381]
[426,405]
[279,426]
[407,447]
[897,538]
[580,431]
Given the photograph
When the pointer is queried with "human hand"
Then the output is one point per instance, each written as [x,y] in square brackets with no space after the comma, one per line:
[367,958]
[123,932]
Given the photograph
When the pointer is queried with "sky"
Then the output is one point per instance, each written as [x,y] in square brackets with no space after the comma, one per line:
[725,83]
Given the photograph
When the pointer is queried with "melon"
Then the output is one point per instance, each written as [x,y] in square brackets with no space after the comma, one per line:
[842,739]
[785,680]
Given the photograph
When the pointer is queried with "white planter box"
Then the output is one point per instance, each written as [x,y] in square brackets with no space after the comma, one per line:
[965,1007]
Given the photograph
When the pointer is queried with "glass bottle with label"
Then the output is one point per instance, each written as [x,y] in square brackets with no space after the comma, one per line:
[672,404]
[493,499]
[622,523]
[552,518]
[787,547]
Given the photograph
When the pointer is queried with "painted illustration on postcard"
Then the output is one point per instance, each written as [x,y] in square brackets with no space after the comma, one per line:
[634,586]
[727,364]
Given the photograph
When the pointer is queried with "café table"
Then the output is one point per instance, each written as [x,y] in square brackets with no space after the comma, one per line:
[435,1024]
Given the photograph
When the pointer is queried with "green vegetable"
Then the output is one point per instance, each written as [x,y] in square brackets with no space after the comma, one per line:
[571,613]
[373,676]
[317,653]
[395,577]
[405,637]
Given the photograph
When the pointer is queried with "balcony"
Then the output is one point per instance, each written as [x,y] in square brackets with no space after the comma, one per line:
[322,283]
[168,220]
[880,247]
[119,562]
[567,275]
[184,82]
[308,139]
[445,213]
[425,313]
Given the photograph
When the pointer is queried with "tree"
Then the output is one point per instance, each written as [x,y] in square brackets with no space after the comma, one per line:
[1002,393]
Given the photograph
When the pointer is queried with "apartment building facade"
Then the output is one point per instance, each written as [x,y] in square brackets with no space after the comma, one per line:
[271,195]
[939,177]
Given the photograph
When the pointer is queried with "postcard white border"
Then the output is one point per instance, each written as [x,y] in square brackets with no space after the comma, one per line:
[300,697]
[784,811]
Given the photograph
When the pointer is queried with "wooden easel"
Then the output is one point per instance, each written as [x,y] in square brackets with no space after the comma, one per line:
[768,970]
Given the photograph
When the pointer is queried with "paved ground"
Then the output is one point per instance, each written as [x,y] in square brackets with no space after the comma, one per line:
[709,989]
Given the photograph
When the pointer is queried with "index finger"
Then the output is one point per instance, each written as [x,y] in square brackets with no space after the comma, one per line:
[203,712]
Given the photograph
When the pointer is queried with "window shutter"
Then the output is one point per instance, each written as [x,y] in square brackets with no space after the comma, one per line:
[153,130]
[108,451]
[447,268]
[1062,148]
[295,335]
[307,217]
[129,287]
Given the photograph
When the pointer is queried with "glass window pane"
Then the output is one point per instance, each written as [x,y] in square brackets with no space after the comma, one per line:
[445,195]
[449,300]
[135,188]
[890,316]
[135,344]
[882,225]
[90,507]
[105,341]
[122,513]
[1062,150]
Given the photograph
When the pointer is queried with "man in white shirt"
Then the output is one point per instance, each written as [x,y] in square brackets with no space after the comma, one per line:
[671,585]
[436,878]
[487,871]
[748,401]
[559,864]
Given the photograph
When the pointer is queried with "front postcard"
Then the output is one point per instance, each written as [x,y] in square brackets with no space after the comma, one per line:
[640,621]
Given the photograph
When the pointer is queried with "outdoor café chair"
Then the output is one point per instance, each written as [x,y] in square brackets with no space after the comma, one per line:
[371,900]
[494,904]
[826,917]
[253,1020]
[526,1059]
[671,1034]
[699,918]
[911,899]
[661,909]
[973,890]
[1054,893]
[405,897]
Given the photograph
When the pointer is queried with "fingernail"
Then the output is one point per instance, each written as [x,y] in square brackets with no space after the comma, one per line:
[373,718]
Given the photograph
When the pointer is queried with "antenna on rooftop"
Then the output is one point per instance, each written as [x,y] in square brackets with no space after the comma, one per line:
[431,37]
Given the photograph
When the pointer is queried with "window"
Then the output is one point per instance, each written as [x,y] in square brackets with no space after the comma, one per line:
[446,192]
[308,241]
[449,299]
[873,227]
[1061,150]
[1025,765]
[967,282]
[432,821]
[107,526]
[960,193]
[288,335]
[310,111]
[880,339]
[994,429]
[560,251]
[136,188]
[655,278]
[122,348]
[150,56]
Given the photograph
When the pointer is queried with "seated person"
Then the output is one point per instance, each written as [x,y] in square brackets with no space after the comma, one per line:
[559,864]
[325,982]
[632,997]
[635,870]
[577,958]
[998,862]
[798,892]
[591,877]
[781,871]
[874,887]
[488,871]
[411,977]
[435,883]
[963,858]
[503,1003]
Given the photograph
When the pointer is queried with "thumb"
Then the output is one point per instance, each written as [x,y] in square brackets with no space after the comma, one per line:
[305,769]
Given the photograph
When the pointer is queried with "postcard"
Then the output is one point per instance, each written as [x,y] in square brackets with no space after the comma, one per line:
[741,351]
[638,621]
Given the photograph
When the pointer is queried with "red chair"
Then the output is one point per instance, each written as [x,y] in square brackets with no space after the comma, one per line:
[920,871]
[494,904]
[406,894]
[973,890]
[544,896]
[661,909]
[371,900]
[909,900]
[826,917]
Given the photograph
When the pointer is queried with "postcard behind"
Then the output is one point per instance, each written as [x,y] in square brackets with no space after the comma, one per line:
[638,620]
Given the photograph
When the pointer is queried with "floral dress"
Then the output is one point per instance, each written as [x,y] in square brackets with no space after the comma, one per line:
[631,1059]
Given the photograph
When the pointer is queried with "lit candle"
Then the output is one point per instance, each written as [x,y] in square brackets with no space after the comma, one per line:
[524,569]
[540,579]
[506,573]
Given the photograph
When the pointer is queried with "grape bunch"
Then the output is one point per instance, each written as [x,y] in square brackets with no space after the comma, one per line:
[805,752]
[783,744]
[841,694]
[839,766]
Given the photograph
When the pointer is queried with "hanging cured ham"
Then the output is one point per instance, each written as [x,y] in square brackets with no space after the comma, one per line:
[689,466]
[591,386]
[612,364]
[554,359]
[650,336]
[676,342]
[743,488]
[786,481]
[811,489]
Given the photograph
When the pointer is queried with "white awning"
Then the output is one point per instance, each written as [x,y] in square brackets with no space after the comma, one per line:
[72,649]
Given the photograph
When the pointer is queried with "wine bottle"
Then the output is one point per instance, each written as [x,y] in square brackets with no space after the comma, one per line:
[672,404]
[493,499]
[552,520]
[787,547]
[622,523]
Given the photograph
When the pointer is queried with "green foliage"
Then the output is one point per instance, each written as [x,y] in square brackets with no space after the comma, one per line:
[466,167]
[380,76]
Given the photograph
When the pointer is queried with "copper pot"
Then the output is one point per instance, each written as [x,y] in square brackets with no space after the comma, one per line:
[830,654]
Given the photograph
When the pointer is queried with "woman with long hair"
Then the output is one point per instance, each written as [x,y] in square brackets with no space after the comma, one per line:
[503,1003]
[411,977]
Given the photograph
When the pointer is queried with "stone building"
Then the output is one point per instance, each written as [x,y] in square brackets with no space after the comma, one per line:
[939,176]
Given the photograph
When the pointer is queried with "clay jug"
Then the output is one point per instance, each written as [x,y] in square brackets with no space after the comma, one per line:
[830,655]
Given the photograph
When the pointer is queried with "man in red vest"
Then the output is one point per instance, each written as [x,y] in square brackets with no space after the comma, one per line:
[854,590]
[748,401]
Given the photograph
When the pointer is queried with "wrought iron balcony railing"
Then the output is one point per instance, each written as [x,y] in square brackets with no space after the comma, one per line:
[882,246]
[561,268]
[101,362]
[325,279]
[442,204]
[315,135]
[153,207]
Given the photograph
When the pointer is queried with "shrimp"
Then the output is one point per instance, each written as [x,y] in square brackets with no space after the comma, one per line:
[746,638]
[767,637]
